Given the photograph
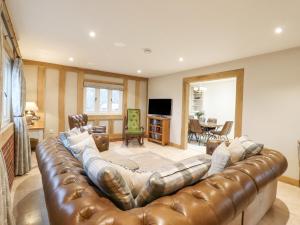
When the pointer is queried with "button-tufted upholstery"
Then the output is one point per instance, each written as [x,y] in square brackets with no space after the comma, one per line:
[72,199]
[77,120]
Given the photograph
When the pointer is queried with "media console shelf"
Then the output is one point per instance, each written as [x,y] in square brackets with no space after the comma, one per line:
[159,129]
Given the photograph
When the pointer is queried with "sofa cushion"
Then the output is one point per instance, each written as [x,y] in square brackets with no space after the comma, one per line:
[107,178]
[173,178]
[251,147]
[78,149]
[237,151]
[220,159]
[74,139]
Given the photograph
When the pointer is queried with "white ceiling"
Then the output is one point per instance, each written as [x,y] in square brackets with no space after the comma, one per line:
[203,32]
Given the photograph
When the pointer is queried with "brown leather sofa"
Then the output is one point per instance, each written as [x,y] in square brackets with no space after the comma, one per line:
[240,195]
[99,132]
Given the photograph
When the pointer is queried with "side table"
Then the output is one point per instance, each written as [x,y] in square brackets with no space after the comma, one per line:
[36,133]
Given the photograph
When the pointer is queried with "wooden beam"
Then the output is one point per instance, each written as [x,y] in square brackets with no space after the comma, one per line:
[125,96]
[103,82]
[80,80]
[110,127]
[61,100]
[41,85]
[84,70]
[137,94]
[105,117]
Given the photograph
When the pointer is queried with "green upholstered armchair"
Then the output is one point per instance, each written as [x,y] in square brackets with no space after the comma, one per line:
[132,126]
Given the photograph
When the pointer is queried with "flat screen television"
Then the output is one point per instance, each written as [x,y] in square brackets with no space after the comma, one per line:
[161,107]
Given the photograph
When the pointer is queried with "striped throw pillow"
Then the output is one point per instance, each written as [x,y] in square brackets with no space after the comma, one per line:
[181,174]
[251,147]
[107,179]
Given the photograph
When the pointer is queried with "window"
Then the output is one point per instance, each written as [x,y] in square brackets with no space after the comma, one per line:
[6,94]
[103,98]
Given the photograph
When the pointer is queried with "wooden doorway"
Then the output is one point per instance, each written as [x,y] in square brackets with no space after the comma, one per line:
[238,74]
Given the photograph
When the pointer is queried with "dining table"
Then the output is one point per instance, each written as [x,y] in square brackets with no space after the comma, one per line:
[207,127]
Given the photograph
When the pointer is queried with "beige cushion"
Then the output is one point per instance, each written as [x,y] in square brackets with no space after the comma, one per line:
[74,139]
[108,179]
[78,149]
[220,160]
[237,151]
[251,147]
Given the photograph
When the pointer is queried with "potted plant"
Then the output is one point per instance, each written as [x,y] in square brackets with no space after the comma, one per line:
[200,116]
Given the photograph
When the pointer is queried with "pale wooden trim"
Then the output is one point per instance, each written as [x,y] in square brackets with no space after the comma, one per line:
[5,134]
[80,80]
[104,117]
[175,145]
[103,82]
[61,100]
[41,86]
[147,101]
[125,96]
[110,127]
[289,180]
[238,74]
[137,94]
[84,70]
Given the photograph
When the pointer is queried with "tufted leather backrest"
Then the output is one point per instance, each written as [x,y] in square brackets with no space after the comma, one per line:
[72,199]
[77,120]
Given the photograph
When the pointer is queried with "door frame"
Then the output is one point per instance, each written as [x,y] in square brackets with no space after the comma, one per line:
[238,74]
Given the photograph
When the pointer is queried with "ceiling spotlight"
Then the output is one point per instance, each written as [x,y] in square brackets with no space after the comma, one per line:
[278,30]
[180,59]
[119,44]
[139,71]
[147,50]
[92,34]
[71,59]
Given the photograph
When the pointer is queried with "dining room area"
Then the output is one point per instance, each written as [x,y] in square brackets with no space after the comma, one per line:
[212,106]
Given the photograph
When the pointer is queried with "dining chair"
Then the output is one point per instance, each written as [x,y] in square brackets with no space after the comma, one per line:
[195,130]
[223,133]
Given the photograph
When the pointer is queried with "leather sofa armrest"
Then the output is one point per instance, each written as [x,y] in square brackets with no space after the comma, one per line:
[211,145]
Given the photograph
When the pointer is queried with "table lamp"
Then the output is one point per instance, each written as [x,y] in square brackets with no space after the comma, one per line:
[30,110]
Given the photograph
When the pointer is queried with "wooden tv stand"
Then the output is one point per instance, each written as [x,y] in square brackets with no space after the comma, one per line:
[159,129]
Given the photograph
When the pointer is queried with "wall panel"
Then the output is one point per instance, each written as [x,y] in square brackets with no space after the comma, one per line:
[51,102]
[103,78]
[131,94]
[31,74]
[71,96]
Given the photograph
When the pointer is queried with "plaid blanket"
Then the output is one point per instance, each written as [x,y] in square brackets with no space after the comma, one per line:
[173,178]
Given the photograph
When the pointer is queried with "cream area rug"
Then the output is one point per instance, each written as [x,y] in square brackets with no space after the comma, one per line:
[149,161]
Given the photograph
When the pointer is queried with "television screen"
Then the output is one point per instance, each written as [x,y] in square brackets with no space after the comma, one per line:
[160,107]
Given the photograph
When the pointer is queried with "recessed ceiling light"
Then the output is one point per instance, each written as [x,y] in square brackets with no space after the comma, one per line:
[71,59]
[278,30]
[119,44]
[92,34]
[180,59]
[139,71]
[147,50]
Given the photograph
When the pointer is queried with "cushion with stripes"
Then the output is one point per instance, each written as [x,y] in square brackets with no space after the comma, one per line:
[173,178]
[107,178]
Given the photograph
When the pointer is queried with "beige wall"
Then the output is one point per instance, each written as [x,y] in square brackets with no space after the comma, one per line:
[51,91]
[271,100]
